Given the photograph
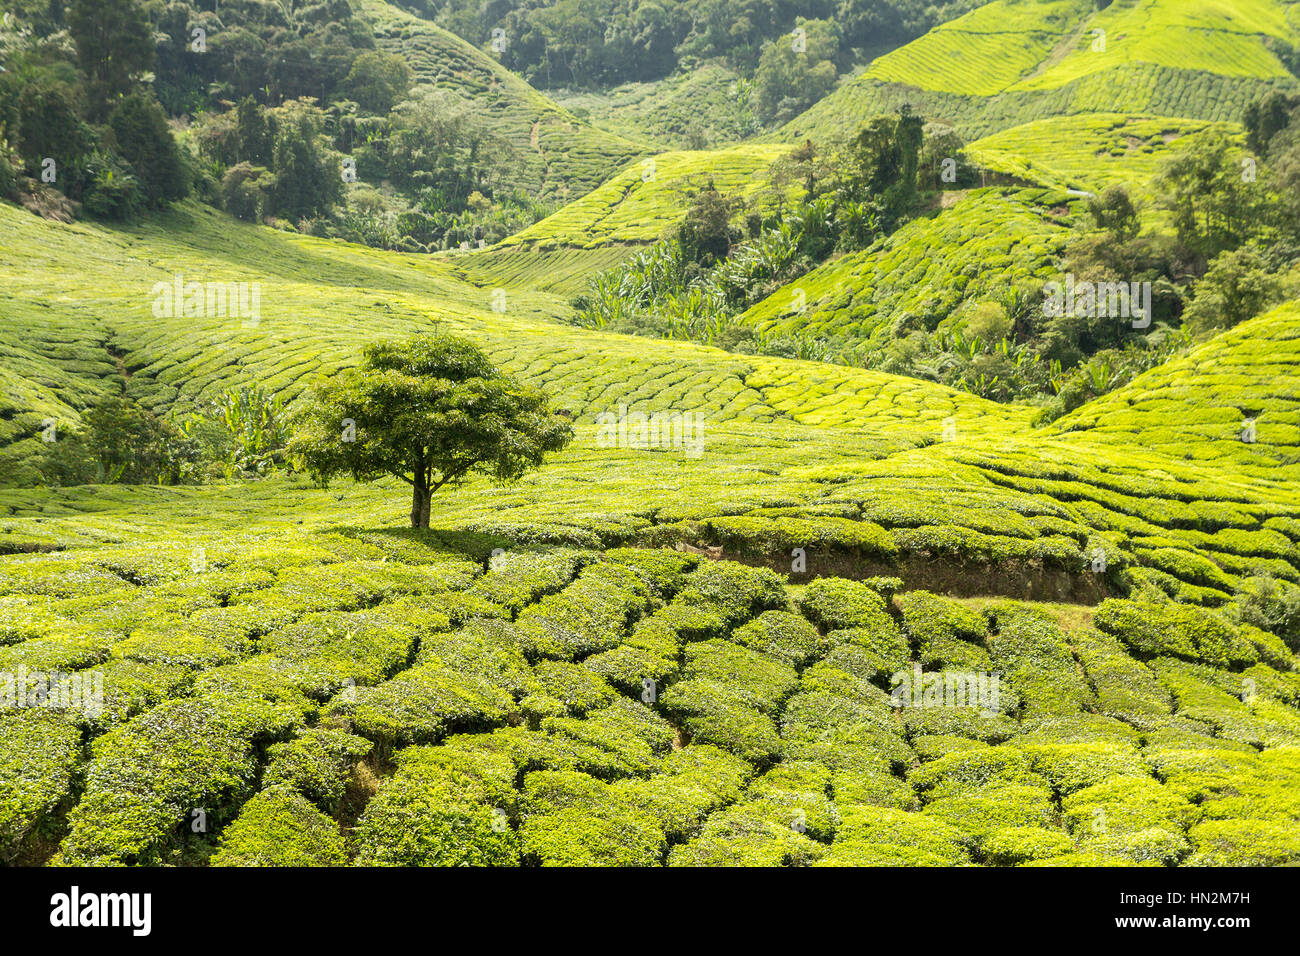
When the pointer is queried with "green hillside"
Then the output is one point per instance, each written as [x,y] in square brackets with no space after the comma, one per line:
[639,203]
[1088,152]
[701,106]
[557,156]
[781,612]
[1196,406]
[479,688]
[637,206]
[1016,61]
[920,276]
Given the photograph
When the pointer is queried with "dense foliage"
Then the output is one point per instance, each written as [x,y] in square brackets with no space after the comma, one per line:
[429,411]
[607,42]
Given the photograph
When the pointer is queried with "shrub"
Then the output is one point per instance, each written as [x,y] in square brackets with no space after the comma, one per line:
[329,650]
[1081,859]
[967,772]
[849,671]
[784,636]
[280,827]
[571,819]
[1244,843]
[962,722]
[1125,805]
[871,788]
[734,591]
[624,739]
[120,441]
[1016,845]
[764,536]
[994,809]
[1177,630]
[317,763]
[485,648]
[423,705]
[713,715]
[693,781]
[884,648]
[744,836]
[576,688]
[148,776]
[932,746]
[847,748]
[518,578]
[1271,605]
[1123,685]
[1163,846]
[442,807]
[743,675]
[39,753]
[691,622]
[944,631]
[628,668]
[588,616]
[132,687]
[834,603]
[663,571]
[796,792]
[913,831]
[1037,661]
[852,853]
[1074,766]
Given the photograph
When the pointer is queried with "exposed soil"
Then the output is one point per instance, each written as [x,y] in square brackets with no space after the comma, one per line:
[942,574]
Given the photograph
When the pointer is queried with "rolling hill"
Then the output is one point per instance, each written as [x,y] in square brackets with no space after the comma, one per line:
[854,619]
[556,155]
[1016,61]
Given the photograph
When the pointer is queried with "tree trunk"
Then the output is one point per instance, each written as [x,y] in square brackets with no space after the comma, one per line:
[420,495]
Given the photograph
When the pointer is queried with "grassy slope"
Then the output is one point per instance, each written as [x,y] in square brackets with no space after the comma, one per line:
[848,464]
[971,251]
[1010,63]
[699,101]
[641,202]
[853,466]
[985,51]
[636,206]
[1225,37]
[557,156]
[1194,406]
[1088,152]
[321,301]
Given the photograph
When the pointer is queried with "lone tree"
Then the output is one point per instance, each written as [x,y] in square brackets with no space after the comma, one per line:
[429,411]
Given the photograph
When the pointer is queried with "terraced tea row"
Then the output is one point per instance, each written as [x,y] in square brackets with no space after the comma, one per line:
[976,249]
[1010,63]
[383,698]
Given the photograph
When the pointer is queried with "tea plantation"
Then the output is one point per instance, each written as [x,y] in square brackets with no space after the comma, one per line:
[860,619]
[1011,62]
[618,661]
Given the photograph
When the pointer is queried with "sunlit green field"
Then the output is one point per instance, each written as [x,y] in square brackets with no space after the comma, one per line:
[1011,63]
[1089,152]
[328,688]
[642,201]
[1001,237]
[660,652]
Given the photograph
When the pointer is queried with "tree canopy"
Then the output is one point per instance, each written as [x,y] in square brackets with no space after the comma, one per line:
[430,411]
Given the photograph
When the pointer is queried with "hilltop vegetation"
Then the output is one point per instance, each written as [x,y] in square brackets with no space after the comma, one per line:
[1011,62]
